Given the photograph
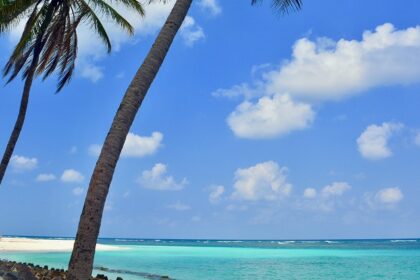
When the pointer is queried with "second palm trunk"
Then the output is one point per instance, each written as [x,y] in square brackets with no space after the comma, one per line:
[81,262]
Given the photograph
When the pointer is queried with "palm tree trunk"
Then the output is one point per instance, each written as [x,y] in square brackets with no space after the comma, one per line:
[18,124]
[81,262]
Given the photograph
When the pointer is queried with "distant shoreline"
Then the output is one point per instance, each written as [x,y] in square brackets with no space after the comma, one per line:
[24,244]
[208,239]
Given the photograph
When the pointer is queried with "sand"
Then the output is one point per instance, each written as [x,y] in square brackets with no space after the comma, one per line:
[8,244]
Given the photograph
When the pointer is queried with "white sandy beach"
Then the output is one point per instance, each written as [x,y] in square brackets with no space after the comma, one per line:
[18,244]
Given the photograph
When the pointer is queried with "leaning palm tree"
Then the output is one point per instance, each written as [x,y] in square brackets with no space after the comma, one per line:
[81,262]
[49,44]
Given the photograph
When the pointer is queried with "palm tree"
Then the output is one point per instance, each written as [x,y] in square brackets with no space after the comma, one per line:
[81,262]
[49,44]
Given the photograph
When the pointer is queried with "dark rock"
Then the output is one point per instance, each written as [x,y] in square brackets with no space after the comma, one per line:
[24,272]
[8,276]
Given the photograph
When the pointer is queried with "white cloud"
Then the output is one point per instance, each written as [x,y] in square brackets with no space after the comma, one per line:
[389,195]
[178,206]
[263,181]
[78,191]
[373,142]
[326,200]
[310,193]
[45,177]
[324,70]
[91,72]
[191,32]
[329,70]
[211,5]
[139,146]
[243,89]
[21,163]
[387,198]
[135,145]
[270,117]
[216,193]
[94,150]
[156,179]
[72,176]
[335,189]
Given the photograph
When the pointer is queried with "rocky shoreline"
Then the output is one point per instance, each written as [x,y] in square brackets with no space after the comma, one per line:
[10,270]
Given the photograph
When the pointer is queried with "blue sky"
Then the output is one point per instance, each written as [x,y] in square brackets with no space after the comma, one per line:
[257,126]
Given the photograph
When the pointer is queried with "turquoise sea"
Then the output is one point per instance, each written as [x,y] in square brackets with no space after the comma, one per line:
[249,259]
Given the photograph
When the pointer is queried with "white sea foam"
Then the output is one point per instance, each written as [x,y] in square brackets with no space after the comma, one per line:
[403,240]
[331,242]
[285,242]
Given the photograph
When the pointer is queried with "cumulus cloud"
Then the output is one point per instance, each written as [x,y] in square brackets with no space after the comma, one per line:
[309,193]
[212,6]
[263,181]
[326,70]
[72,176]
[241,90]
[45,177]
[139,146]
[389,195]
[335,189]
[22,163]
[326,199]
[373,142]
[135,145]
[91,72]
[157,179]
[179,206]
[78,191]
[329,70]
[270,117]
[191,32]
[387,198]
[216,193]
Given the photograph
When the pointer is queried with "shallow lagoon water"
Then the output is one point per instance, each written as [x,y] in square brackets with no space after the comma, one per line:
[236,259]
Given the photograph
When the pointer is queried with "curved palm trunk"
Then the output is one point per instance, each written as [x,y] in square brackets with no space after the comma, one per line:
[81,262]
[18,124]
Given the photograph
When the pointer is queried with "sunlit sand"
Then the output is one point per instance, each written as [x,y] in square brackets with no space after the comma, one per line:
[44,245]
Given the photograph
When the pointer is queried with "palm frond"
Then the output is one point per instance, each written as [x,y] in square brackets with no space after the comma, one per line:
[133,4]
[48,43]
[94,20]
[11,12]
[283,6]
[108,11]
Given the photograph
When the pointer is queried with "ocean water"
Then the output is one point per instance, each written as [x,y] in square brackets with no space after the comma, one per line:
[240,259]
